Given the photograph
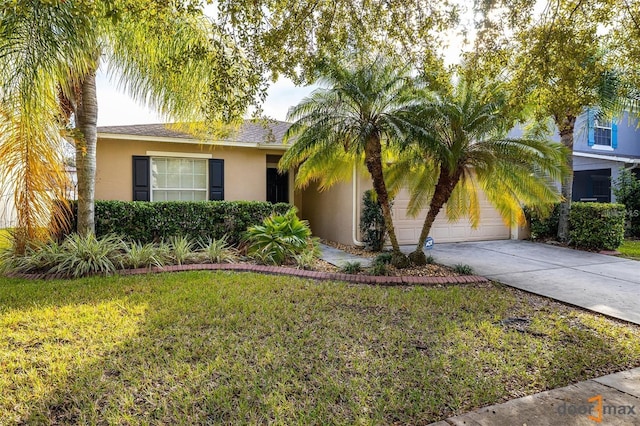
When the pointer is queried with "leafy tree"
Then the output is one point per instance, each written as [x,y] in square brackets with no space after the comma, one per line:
[462,148]
[288,37]
[561,64]
[169,56]
[365,106]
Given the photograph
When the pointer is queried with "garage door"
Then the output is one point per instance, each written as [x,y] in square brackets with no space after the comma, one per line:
[408,229]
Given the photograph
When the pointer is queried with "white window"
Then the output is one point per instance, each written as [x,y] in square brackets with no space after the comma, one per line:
[602,133]
[178,179]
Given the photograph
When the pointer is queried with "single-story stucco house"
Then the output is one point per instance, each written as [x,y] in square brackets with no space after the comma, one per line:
[154,162]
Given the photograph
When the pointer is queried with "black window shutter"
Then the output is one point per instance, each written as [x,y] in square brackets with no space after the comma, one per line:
[216,180]
[141,178]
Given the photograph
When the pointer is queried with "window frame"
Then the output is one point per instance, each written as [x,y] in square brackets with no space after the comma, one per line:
[153,188]
[598,126]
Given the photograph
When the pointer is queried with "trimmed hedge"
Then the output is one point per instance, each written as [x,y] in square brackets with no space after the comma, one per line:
[543,227]
[146,222]
[596,226]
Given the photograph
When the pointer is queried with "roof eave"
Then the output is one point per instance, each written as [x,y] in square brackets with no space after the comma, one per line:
[164,139]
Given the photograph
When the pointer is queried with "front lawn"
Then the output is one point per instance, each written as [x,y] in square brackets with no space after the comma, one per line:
[630,249]
[199,347]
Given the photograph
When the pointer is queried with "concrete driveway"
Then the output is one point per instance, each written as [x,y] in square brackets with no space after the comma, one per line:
[600,283]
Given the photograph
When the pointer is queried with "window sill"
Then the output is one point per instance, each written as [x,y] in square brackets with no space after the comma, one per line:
[602,148]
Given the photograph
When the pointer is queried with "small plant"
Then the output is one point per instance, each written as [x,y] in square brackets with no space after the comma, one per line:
[383,258]
[379,269]
[307,259]
[463,269]
[181,250]
[351,267]
[430,260]
[372,224]
[278,239]
[140,255]
[218,251]
[81,255]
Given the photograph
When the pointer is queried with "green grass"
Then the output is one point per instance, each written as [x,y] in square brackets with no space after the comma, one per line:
[630,249]
[198,347]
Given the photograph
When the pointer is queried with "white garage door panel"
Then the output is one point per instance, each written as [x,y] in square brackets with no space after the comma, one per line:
[408,229]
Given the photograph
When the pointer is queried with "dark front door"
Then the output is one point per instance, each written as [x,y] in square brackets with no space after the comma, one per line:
[277,186]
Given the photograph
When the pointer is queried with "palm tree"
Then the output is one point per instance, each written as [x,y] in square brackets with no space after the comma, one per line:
[168,56]
[364,105]
[462,149]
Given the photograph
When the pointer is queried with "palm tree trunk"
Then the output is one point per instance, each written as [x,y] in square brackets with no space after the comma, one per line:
[442,193]
[373,160]
[566,137]
[86,124]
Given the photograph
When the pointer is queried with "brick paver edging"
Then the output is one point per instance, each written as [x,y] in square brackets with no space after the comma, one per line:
[280,270]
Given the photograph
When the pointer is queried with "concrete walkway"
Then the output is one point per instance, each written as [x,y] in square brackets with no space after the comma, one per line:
[600,283]
[608,400]
[338,257]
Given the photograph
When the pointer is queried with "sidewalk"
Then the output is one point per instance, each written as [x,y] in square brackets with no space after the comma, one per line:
[338,257]
[608,400]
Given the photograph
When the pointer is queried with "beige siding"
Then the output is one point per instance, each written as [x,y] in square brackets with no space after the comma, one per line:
[329,212]
[244,168]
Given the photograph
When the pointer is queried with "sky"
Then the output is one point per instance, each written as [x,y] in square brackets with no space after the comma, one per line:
[116,108]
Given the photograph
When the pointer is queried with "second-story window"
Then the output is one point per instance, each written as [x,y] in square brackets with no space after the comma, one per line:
[602,133]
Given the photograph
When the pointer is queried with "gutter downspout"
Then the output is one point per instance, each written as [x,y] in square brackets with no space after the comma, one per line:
[354,223]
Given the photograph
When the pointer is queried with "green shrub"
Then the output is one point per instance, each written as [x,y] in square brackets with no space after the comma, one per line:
[379,269]
[218,251]
[627,191]
[278,239]
[596,226]
[372,224]
[147,222]
[430,260]
[351,267]
[543,224]
[463,269]
[383,258]
[307,259]
[181,250]
[140,255]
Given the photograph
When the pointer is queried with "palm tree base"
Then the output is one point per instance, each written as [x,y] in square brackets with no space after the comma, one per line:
[400,260]
[418,258]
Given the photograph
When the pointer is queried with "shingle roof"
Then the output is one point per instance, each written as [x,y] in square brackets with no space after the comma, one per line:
[251,132]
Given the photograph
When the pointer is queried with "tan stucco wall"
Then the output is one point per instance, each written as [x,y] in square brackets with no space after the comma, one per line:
[244,168]
[329,212]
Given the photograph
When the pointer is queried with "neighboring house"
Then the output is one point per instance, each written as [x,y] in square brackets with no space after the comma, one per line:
[600,150]
[152,162]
